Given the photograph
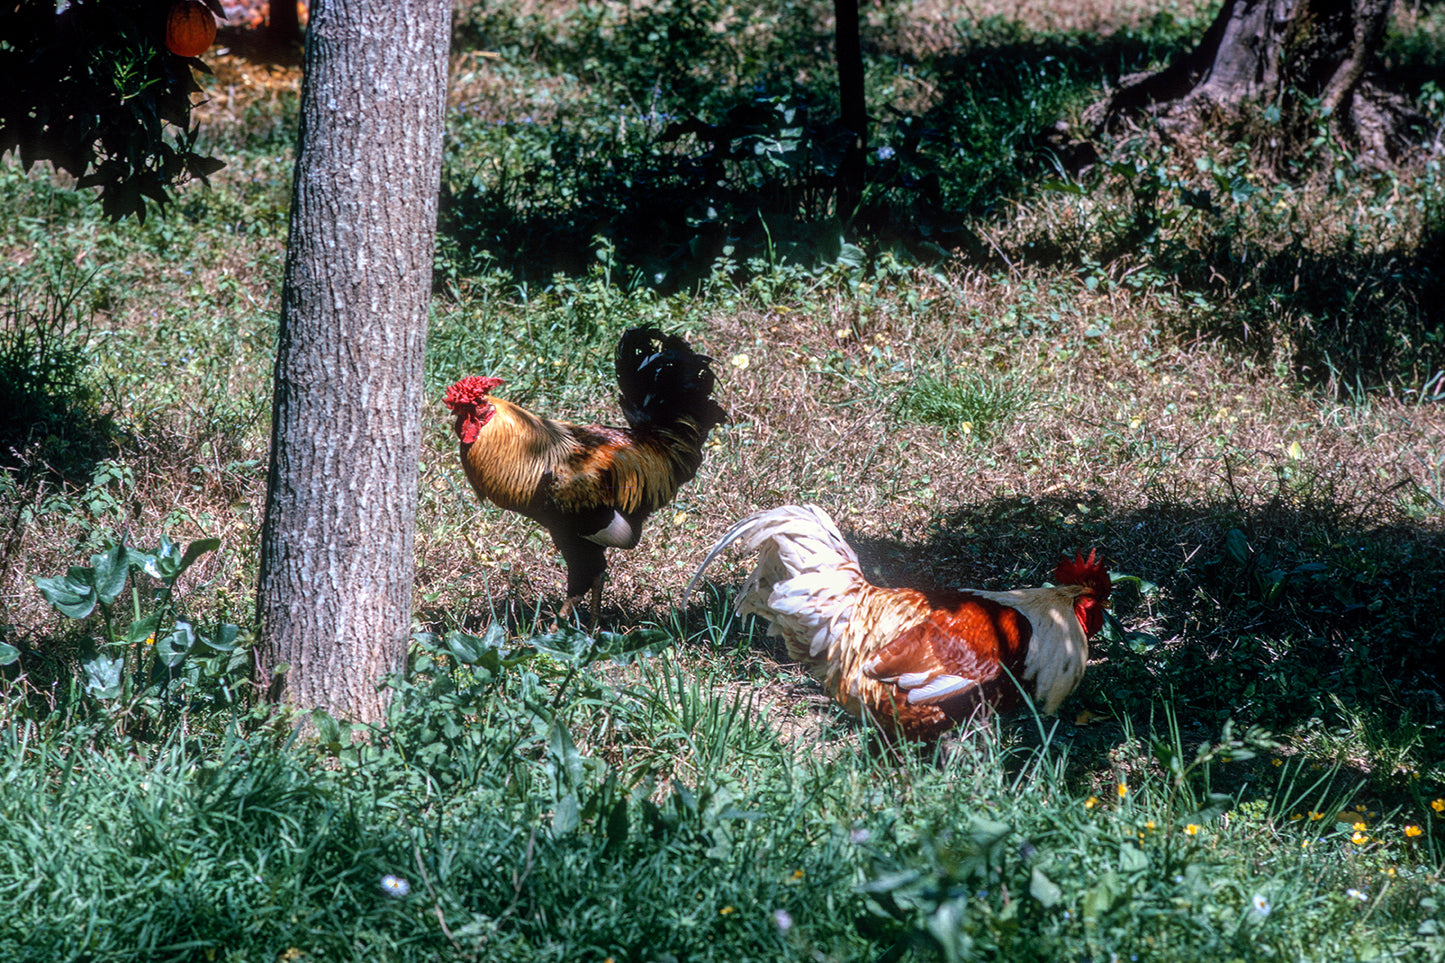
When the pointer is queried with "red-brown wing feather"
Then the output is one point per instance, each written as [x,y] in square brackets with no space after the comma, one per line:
[587,480]
[613,469]
[945,667]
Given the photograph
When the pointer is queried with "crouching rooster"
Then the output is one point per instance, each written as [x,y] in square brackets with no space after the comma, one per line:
[915,663]
[593,486]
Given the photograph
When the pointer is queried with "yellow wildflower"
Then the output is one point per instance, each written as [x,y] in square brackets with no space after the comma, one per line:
[1438,805]
[1359,838]
[1123,789]
[1192,829]
[1091,802]
[1412,831]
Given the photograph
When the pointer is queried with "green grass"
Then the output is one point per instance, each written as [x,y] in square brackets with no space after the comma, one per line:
[515,841]
[1237,402]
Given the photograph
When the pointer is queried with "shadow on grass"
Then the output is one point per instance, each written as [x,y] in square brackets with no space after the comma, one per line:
[52,427]
[740,174]
[748,180]
[1357,318]
[1347,317]
[1267,613]
[1290,615]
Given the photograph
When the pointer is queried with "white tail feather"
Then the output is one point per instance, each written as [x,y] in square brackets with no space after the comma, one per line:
[806,579]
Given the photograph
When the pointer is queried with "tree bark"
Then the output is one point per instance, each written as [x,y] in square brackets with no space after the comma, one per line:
[853,106]
[334,595]
[1276,51]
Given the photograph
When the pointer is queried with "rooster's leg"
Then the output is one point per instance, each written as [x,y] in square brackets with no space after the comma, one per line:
[596,601]
[595,598]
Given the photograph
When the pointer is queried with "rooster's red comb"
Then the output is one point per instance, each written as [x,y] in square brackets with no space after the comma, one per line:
[1088,572]
[469,390]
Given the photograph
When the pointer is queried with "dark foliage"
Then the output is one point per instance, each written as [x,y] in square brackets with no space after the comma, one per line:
[91,89]
[51,419]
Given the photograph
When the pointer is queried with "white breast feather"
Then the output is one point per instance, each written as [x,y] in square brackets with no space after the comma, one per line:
[1058,649]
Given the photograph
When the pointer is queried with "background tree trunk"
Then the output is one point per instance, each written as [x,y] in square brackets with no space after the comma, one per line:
[334,597]
[853,106]
[1274,52]
[283,23]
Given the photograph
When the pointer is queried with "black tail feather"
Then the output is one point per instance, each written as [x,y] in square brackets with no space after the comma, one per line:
[663,381]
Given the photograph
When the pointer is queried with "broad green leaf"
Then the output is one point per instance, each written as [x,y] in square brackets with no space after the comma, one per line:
[196,549]
[1100,897]
[168,559]
[1057,186]
[328,730]
[73,595]
[1043,889]
[949,926]
[565,759]
[103,675]
[988,833]
[566,644]
[1132,859]
[9,655]
[173,647]
[149,562]
[1236,546]
[617,823]
[1142,585]
[223,638]
[567,816]
[852,256]
[466,648]
[616,644]
[496,636]
[1140,642]
[1214,804]
[1113,631]
[891,882]
[111,567]
[142,629]
[1241,190]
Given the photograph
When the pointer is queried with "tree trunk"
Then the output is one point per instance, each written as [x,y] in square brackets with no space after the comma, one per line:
[334,597]
[854,106]
[1273,52]
[283,23]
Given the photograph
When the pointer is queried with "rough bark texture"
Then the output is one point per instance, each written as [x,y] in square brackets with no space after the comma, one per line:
[1271,52]
[334,599]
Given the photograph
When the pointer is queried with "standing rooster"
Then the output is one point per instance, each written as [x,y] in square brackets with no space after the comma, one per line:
[592,486]
[916,663]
